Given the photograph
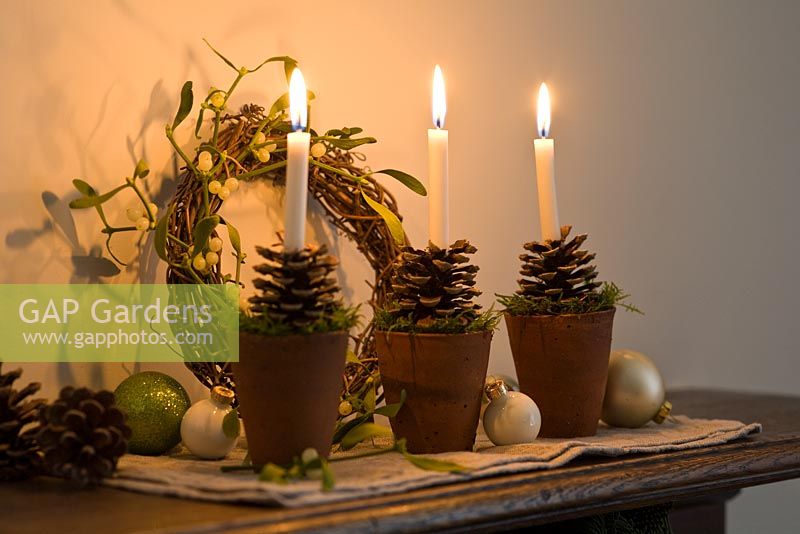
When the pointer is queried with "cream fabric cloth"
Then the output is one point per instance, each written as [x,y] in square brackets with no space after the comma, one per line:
[182,475]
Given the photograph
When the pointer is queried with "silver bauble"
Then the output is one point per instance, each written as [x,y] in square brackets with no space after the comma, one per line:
[634,392]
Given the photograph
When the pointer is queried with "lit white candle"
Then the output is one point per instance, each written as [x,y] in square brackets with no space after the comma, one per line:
[438,214]
[294,214]
[545,169]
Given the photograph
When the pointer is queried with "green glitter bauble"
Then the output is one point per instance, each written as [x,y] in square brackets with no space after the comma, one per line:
[155,404]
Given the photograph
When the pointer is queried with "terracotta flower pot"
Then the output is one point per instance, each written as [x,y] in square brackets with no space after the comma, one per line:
[562,364]
[443,375]
[288,389]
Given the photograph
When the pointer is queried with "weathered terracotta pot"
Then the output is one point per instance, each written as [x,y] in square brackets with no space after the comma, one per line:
[443,375]
[562,364]
[288,388]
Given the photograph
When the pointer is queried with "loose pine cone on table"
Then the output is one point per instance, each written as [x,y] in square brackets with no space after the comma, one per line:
[82,435]
[19,452]
[557,269]
[299,288]
[436,283]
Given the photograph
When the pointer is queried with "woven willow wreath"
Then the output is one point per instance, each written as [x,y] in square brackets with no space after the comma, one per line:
[250,145]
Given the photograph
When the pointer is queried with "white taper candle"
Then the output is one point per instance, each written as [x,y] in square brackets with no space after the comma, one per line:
[297,146]
[438,172]
[544,149]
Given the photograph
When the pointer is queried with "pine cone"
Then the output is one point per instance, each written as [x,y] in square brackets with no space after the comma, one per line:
[19,452]
[436,283]
[82,434]
[557,270]
[299,288]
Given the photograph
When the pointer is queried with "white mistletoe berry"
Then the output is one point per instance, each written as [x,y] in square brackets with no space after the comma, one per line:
[199,262]
[309,455]
[217,99]
[232,184]
[204,162]
[259,138]
[318,150]
[224,193]
[212,258]
[214,186]
[143,223]
[345,408]
[134,214]
[263,155]
[215,244]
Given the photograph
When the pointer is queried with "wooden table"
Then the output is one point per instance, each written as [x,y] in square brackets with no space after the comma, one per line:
[698,480]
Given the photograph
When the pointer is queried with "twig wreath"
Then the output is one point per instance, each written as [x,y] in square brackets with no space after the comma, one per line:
[250,145]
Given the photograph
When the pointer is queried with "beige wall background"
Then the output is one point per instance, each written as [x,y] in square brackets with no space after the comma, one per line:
[676,128]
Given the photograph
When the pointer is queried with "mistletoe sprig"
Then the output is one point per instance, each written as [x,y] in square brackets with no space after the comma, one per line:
[228,156]
[309,465]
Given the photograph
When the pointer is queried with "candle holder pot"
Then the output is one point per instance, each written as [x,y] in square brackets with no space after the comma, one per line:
[562,364]
[289,390]
[443,376]
[560,323]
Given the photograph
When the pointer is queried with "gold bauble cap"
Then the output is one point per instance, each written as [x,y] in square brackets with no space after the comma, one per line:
[663,412]
[496,389]
[222,395]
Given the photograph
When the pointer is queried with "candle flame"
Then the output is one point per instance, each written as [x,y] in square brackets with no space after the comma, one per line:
[439,98]
[298,107]
[543,111]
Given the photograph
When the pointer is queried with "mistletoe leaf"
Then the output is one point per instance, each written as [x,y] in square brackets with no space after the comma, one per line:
[84,188]
[273,473]
[202,231]
[160,236]
[94,200]
[289,64]
[343,428]
[234,237]
[390,410]
[391,220]
[428,464]
[328,481]
[282,103]
[363,432]
[230,424]
[352,357]
[405,179]
[199,123]
[223,58]
[369,399]
[345,143]
[187,101]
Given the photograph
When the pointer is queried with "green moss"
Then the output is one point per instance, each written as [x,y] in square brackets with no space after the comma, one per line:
[607,297]
[392,321]
[337,320]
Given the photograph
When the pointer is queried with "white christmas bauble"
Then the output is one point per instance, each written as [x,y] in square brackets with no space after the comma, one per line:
[202,427]
[511,417]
